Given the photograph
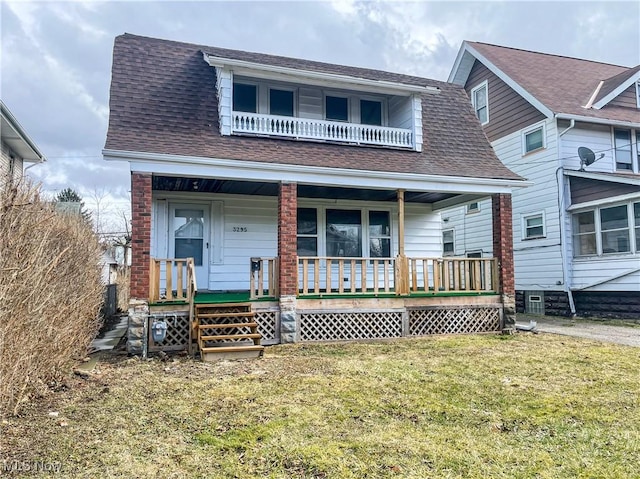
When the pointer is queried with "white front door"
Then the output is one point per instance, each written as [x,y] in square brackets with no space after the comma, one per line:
[189,237]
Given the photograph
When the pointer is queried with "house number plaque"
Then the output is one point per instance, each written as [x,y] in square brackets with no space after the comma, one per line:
[240,229]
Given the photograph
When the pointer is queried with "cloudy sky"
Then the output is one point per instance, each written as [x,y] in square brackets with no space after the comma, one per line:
[56,56]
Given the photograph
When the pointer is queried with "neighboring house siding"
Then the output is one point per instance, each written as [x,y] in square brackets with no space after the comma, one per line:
[508,111]
[598,138]
[8,165]
[472,231]
[626,98]
[605,271]
[583,190]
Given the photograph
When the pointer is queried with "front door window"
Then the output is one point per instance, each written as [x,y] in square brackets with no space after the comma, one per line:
[188,226]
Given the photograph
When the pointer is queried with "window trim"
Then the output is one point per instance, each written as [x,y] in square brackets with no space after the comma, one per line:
[523,222]
[532,129]
[480,86]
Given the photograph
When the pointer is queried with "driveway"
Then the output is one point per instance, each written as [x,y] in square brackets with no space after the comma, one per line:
[583,328]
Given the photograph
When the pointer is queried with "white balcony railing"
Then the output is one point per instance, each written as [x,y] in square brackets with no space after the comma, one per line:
[320,130]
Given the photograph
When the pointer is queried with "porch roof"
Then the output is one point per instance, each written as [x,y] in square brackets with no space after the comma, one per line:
[163,101]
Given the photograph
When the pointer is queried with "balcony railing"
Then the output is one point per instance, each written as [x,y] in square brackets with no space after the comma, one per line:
[320,130]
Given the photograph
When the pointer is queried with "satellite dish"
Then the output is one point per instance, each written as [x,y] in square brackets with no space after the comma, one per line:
[587,157]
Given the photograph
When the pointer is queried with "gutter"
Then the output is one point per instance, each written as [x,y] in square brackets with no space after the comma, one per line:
[599,121]
[23,134]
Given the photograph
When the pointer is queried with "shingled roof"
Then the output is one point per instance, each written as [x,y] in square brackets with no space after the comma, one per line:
[163,100]
[563,84]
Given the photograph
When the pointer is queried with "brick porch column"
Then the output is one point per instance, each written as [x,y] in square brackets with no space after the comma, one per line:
[288,260]
[140,234]
[503,251]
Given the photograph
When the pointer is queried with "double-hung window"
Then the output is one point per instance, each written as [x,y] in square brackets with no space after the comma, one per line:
[379,234]
[584,233]
[614,227]
[610,230]
[344,233]
[533,139]
[636,217]
[480,101]
[622,143]
[533,226]
[448,245]
[307,232]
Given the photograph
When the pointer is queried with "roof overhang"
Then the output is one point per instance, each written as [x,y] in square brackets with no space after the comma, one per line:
[599,121]
[464,63]
[623,179]
[273,72]
[223,168]
[16,137]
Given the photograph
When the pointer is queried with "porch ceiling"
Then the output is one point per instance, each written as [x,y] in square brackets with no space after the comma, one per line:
[209,185]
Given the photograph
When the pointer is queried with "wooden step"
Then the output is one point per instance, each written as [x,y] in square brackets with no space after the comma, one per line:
[228,325]
[245,314]
[231,349]
[231,336]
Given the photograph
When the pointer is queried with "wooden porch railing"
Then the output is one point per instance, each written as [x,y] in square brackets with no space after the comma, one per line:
[453,274]
[264,278]
[163,271]
[401,275]
[336,275]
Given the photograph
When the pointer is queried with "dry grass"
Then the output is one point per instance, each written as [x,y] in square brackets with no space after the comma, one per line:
[447,407]
[50,293]
[122,287]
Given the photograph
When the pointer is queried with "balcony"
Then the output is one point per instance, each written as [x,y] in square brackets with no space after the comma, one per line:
[309,129]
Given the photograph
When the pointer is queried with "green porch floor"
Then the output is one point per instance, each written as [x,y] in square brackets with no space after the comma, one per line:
[213,297]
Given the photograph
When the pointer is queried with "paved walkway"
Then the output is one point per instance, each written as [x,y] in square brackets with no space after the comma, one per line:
[596,330]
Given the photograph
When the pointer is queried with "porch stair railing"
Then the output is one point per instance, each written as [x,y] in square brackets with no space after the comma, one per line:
[226,329]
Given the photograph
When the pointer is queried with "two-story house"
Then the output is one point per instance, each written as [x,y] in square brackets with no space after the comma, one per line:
[571,127]
[278,199]
[17,148]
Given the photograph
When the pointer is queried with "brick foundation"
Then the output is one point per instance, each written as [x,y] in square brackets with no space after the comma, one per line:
[503,251]
[605,304]
[140,234]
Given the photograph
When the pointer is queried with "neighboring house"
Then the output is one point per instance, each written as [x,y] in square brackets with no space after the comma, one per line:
[307,196]
[17,148]
[577,230]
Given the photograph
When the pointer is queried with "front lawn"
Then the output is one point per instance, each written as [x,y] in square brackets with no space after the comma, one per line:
[456,406]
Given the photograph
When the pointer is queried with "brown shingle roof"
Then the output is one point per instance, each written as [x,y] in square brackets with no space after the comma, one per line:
[614,82]
[562,84]
[163,100]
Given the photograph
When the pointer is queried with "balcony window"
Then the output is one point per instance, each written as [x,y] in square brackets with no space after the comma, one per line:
[379,234]
[281,102]
[622,141]
[245,98]
[337,108]
[370,112]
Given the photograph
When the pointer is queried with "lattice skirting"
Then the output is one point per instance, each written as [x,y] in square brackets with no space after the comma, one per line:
[345,325]
[268,326]
[177,337]
[450,320]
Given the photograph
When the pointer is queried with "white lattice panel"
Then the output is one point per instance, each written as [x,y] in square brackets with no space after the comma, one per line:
[177,337]
[423,322]
[345,325]
[266,324]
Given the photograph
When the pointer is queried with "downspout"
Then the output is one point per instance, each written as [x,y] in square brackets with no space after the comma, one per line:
[567,276]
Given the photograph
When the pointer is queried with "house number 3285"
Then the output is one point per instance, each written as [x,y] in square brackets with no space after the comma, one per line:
[240,229]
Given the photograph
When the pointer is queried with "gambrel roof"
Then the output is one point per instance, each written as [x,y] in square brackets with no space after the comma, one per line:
[163,101]
[554,84]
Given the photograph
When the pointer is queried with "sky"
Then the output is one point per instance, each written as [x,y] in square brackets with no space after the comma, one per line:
[56,57]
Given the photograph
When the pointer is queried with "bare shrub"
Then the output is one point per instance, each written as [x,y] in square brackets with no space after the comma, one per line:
[50,293]
[122,282]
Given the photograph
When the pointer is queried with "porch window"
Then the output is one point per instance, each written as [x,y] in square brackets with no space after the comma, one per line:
[622,141]
[307,232]
[379,234]
[615,230]
[344,233]
[245,98]
[448,245]
[281,102]
[370,112]
[584,233]
[480,101]
[337,108]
